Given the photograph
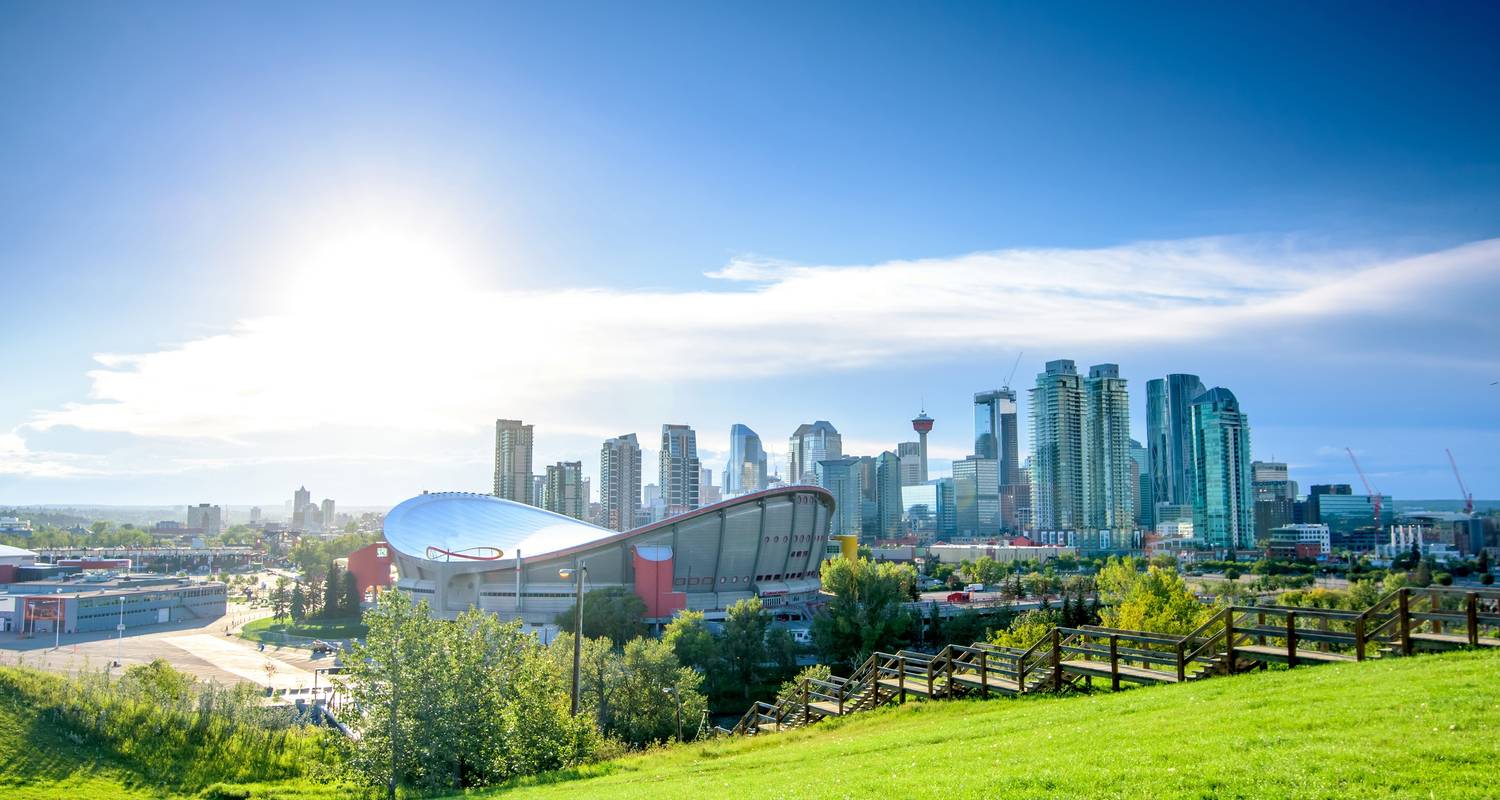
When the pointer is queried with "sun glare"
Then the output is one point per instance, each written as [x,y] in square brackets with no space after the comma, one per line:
[373,266]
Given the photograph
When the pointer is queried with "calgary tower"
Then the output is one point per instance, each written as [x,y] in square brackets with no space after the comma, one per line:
[922,425]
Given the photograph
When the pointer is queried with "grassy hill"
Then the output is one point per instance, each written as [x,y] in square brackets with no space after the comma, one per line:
[41,760]
[1419,727]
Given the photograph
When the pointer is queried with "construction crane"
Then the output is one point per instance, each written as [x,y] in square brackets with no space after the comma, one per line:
[1463,490]
[1013,368]
[1369,490]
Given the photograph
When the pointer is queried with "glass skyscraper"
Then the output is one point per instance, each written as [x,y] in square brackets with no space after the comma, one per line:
[1169,442]
[746,470]
[678,469]
[995,436]
[808,445]
[1109,493]
[1224,495]
[841,477]
[1057,501]
[976,496]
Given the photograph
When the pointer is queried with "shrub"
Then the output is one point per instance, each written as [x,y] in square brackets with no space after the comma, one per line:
[1487,579]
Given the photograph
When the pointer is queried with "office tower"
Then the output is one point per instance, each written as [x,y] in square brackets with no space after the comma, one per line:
[513,475]
[995,436]
[1169,437]
[677,469]
[254,514]
[205,517]
[910,454]
[1140,478]
[1275,498]
[809,445]
[563,491]
[976,496]
[708,493]
[1057,448]
[888,499]
[841,477]
[327,509]
[1223,496]
[620,482]
[301,499]
[869,497]
[929,510]
[1109,495]
[746,470]
[923,426]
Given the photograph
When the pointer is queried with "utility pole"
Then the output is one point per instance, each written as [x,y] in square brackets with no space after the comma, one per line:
[577,574]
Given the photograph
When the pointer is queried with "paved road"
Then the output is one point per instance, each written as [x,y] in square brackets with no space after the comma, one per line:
[197,648]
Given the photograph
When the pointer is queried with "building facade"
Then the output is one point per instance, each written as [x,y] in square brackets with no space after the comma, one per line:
[1169,442]
[620,482]
[888,501]
[678,469]
[1109,493]
[1057,487]
[513,470]
[746,470]
[564,491]
[808,445]
[976,497]
[1223,498]
[207,518]
[841,477]
[996,436]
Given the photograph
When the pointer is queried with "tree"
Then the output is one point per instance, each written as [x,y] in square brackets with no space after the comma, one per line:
[865,613]
[1423,575]
[298,607]
[1482,565]
[691,640]
[333,591]
[1157,600]
[441,706]
[352,597]
[281,599]
[1026,630]
[614,612]
[743,643]
[312,595]
[652,684]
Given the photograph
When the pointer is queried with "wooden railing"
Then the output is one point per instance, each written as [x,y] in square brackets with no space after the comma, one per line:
[1231,639]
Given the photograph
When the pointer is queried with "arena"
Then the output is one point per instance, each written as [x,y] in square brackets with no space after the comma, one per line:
[458,550]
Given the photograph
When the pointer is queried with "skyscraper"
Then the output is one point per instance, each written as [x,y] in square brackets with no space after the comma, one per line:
[1275,497]
[841,477]
[1140,476]
[564,491]
[1223,497]
[1057,501]
[207,518]
[327,511]
[995,436]
[620,482]
[1109,494]
[976,496]
[922,424]
[746,470]
[888,499]
[513,476]
[678,469]
[910,454]
[1169,437]
[301,499]
[808,445]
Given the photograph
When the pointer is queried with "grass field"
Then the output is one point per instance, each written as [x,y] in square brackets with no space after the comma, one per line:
[1419,727]
[276,631]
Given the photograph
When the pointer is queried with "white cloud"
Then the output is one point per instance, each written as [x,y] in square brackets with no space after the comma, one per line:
[427,358]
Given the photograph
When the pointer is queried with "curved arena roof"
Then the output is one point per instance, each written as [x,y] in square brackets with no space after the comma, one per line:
[467,527]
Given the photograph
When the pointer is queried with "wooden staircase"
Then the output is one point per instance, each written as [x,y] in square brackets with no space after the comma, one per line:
[1234,639]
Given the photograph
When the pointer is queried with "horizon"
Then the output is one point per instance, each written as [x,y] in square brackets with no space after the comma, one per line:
[248,249]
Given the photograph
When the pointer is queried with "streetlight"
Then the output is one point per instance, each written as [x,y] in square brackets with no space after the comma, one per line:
[672,690]
[577,575]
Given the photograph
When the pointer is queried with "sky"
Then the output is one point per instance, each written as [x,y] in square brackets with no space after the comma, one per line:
[247,247]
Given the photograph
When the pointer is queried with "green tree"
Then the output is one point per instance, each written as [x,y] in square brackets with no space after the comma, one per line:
[1423,575]
[333,591]
[1482,564]
[614,612]
[1026,630]
[652,684]
[298,605]
[865,613]
[691,640]
[1157,600]
[281,599]
[743,644]
[352,597]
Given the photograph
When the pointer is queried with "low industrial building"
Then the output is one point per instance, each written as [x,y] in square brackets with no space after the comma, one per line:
[83,604]
[1300,540]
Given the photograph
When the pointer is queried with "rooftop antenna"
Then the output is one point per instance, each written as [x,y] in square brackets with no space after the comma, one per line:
[1013,369]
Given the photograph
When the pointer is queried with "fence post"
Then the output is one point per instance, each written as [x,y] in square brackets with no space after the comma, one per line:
[1181,665]
[1021,672]
[1403,607]
[1435,605]
[1056,660]
[984,674]
[1114,663]
[1291,638]
[806,707]
[901,676]
[948,668]
[1359,637]
[1229,641]
[1472,610]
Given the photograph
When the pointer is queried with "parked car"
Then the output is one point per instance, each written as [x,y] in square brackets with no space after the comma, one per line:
[958,597]
[320,646]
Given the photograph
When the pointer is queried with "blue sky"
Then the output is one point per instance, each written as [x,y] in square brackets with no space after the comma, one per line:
[248,247]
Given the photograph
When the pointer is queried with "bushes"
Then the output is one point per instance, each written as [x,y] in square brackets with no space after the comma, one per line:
[173,729]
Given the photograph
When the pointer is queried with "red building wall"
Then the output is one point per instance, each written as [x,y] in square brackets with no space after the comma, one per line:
[371,566]
[653,580]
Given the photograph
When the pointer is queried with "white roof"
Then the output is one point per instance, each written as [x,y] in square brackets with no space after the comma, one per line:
[6,551]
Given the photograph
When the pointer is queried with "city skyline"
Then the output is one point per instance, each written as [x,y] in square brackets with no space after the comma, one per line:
[299,274]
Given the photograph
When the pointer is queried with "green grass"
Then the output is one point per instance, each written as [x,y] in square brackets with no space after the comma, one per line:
[40,760]
[273,631]
[1427,726]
